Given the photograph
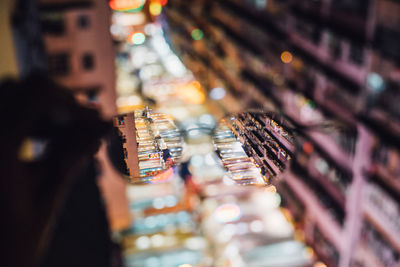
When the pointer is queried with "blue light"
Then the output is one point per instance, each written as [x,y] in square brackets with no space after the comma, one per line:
[217,93]
[375,82]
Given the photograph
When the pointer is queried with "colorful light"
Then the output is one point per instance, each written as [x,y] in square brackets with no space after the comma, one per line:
[286,57]
[197,34]
[163,176]
[308,148]
[155,8]
[375,82]
[270,189]
[162,2]
[227,213]
[138,38]
[126,5]
[310,103]
[217,93]
[298,64]
[143,242]
[129,19]
[191,92]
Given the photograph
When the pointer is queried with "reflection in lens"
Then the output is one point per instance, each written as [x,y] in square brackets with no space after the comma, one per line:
[254,147]
[145,146]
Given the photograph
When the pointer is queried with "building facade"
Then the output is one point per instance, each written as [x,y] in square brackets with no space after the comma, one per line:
[315,62]
[79,49]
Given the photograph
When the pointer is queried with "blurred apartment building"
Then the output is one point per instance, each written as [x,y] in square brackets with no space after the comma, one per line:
[80,56]
[79,49]
[71,41]
[315,61]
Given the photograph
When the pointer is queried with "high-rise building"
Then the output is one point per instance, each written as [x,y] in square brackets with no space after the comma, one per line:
[80,56]
[79,49]
[315,61]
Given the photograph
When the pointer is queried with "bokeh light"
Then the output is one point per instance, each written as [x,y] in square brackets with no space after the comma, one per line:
[197,34]
[138,38]
[320,264]
[286,57]
[308,148]
[143,242]
[217,93]
[191,92]
[375,83]
[227,213]
[126,5]
[155,8]
[162,2]
[270,189]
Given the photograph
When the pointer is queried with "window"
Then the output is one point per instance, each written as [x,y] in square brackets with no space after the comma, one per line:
[83,22]
[59,64]
[52,23]
[356,54]
[354,7]
[335,47]
[92,96]
[308,31]
[121,120]
[316,35]
[387,41]
[88,61]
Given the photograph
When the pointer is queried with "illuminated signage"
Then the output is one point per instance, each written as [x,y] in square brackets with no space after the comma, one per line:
[155,155]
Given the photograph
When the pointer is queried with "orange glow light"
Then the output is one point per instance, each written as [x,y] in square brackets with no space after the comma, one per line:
[163,176]
[192,93]
[123,5]
[298,64]
[270,189]
[286,57]
[319,264]
[308,148]
[163,2]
